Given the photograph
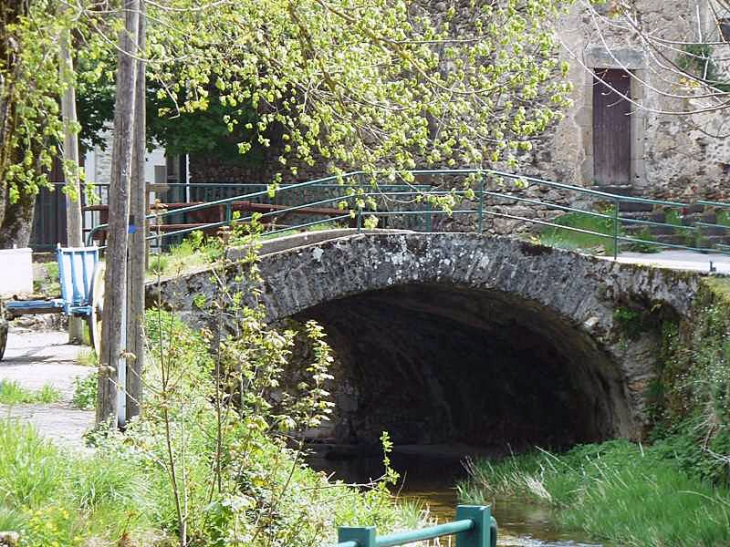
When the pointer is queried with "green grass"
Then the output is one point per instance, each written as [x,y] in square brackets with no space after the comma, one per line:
[120,495]
[595,235]
[12,393]
[52,497]
[673,217]
[564,238]
[720,287]
[723,217]
[616,491]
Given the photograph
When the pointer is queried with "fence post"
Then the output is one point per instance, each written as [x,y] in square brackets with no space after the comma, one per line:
[359,220]
[481,205]
[229,213]
[429,217]
[615,229]
[481,534]
[363,537]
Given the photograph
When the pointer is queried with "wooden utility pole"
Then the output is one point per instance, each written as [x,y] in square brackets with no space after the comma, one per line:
[137,238]
[71,156]
[113,354]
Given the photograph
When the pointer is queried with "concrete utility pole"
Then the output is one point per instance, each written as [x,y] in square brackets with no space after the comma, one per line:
[137,237]
[113,354]
[71,155]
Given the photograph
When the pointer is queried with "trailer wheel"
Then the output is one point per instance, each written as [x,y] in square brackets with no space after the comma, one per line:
[3,330]
[97,307]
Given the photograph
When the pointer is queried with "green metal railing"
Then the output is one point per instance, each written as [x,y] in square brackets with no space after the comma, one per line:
[494,196]
[473,527]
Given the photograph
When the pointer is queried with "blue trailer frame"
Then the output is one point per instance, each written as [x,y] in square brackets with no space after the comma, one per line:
[80,275]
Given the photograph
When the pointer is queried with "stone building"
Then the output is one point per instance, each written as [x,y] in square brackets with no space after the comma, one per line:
[619,134]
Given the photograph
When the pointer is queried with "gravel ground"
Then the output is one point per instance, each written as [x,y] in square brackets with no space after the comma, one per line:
[34,358]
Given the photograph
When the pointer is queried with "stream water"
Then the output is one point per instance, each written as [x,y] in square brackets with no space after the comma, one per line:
[430,475]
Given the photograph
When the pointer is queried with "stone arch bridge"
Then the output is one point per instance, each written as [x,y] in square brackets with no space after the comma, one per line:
[469,338]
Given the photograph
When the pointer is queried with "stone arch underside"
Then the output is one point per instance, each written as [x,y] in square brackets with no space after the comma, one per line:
[468,337]
[437,364]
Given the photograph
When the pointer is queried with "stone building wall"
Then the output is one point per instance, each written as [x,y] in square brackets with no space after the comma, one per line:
[673,156]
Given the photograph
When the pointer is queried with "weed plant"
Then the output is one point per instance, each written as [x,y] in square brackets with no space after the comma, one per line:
[194,251]
[85,390]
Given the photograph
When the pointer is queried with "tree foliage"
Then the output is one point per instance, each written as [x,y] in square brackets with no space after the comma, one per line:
[349,83]
[30,124]
[355,82]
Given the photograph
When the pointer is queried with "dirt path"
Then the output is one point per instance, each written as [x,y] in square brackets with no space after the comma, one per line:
[36,358]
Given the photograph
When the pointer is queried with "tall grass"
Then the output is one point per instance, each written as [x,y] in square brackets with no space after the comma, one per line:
[616,491]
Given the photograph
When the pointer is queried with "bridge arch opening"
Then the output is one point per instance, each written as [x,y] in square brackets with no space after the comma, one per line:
[439,363]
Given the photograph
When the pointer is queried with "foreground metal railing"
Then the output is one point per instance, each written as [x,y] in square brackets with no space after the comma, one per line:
[474,527]
[483,200]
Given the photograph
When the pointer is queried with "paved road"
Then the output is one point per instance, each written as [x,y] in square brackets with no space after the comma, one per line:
[680,260]
[35,358]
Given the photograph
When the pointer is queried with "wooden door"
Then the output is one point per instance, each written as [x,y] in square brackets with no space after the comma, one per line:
[611,127]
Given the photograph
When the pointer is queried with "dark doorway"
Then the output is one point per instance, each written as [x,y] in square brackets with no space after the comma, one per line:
[611,127]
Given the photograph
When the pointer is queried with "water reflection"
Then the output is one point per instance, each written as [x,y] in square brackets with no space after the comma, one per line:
[429,474]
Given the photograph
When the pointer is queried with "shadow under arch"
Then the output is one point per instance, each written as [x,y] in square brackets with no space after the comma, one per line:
[444,363]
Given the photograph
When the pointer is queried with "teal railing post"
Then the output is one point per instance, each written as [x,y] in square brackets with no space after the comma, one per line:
[429,217]
[615,228]
[358,220]
[481,205]
[356,537]
[480,535]
[229,214]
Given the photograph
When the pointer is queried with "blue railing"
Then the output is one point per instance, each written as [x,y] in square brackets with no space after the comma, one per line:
[491,197]
[473,527]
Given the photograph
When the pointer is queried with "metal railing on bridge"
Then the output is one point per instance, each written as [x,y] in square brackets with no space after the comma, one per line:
[474,527]
[478,200]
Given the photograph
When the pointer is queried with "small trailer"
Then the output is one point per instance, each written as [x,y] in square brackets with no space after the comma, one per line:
[81,276]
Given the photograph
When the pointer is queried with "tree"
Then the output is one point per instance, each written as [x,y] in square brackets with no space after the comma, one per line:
[31,129]
[71,159]
[357,83]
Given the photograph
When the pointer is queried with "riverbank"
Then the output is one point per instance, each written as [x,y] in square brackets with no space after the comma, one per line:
[617,491]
